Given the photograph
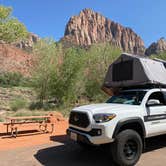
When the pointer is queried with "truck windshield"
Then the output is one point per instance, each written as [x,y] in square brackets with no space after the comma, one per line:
[128,97]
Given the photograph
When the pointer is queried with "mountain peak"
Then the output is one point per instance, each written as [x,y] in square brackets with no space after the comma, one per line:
[87,10]
[156,47]
[161,39]
[90,27]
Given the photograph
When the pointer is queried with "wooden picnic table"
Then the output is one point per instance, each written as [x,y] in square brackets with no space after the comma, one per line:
[13,123]
[27,117]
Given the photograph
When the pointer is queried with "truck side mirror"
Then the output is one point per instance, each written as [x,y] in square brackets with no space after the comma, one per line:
[152,102]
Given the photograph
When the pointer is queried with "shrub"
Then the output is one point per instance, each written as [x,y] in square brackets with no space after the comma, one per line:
[1,119]
[98,59]
[38,105]
[18,104]
[35,105]
[9,79]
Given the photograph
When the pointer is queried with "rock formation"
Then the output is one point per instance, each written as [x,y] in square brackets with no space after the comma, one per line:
[156,47]
[27,44]
[90,27]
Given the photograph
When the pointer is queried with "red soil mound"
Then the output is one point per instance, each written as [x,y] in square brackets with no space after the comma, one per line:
[13,59]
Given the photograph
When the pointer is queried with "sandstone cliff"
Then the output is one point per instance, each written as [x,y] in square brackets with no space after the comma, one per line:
[17,57]
[156,47]
[13,59]
[90,27]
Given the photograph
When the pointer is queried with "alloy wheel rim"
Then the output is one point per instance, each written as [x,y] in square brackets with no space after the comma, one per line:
[130,149]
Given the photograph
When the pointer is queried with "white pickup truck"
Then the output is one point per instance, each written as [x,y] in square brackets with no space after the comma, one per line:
[122,123]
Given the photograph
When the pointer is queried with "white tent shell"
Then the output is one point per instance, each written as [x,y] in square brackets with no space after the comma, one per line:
[133,70]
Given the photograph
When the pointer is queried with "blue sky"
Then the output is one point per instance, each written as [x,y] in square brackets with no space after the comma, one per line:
[48,18]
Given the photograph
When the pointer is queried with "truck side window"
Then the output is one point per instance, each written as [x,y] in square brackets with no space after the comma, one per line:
[164,96]
[158,96]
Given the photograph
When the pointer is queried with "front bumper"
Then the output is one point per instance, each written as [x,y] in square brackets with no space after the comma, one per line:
[93,137]
[80,136]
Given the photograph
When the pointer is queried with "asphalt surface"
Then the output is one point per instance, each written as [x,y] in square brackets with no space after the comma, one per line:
[62,152]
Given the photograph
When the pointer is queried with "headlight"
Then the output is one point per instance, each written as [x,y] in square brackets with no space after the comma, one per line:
[100,118]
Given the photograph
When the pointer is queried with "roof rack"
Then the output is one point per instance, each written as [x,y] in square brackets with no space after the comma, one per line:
[146,86]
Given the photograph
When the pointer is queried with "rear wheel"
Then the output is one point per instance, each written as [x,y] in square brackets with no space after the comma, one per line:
[127,148]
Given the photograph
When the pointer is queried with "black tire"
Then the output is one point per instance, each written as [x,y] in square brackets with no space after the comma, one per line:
[127,148]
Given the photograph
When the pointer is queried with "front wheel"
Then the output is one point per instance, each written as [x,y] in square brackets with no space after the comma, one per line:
[127,148]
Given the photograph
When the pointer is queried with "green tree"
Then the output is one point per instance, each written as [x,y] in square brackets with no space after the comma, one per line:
[68,86]
[47,60]
[11,29]
[56,73]
[98,59]
[69,75]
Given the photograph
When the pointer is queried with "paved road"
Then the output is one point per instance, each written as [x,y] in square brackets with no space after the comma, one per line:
[65,153]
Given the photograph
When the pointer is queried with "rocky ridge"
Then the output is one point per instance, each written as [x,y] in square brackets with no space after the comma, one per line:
[90,27]
[156,47]
[83,30]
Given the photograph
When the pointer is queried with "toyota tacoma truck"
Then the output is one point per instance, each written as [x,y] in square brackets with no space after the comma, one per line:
[136,110]
[122,123]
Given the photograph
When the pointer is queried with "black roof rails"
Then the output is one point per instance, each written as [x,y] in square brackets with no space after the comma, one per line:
[147,86]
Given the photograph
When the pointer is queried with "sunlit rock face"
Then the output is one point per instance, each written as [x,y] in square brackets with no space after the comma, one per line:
[156,47]
[27,44]
[90,27]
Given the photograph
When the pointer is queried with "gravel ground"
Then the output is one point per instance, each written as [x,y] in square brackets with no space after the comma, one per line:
[62,152]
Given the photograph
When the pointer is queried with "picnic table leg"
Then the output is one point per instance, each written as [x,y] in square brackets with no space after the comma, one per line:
[12,131]
[52,128]
[16,131]
[39,126]
[45,128]
[7,129]
[12,128]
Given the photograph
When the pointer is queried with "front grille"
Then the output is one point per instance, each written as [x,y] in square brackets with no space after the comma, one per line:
[79,119]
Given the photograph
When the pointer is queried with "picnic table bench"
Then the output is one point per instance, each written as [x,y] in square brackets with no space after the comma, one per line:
[42,121]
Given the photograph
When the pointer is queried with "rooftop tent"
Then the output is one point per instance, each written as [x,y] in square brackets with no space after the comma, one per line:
[133,70]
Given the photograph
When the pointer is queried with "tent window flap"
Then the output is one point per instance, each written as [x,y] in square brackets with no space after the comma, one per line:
[123,71]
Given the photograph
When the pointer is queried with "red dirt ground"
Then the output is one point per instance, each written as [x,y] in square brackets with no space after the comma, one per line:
[27,139]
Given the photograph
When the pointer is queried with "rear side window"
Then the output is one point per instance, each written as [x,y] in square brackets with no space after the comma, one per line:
[164,96]
[123,71]
[158,96]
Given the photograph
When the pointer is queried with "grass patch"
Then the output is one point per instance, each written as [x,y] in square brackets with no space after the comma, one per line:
[24,112]
[18,104]
[38,105]
[1,119]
